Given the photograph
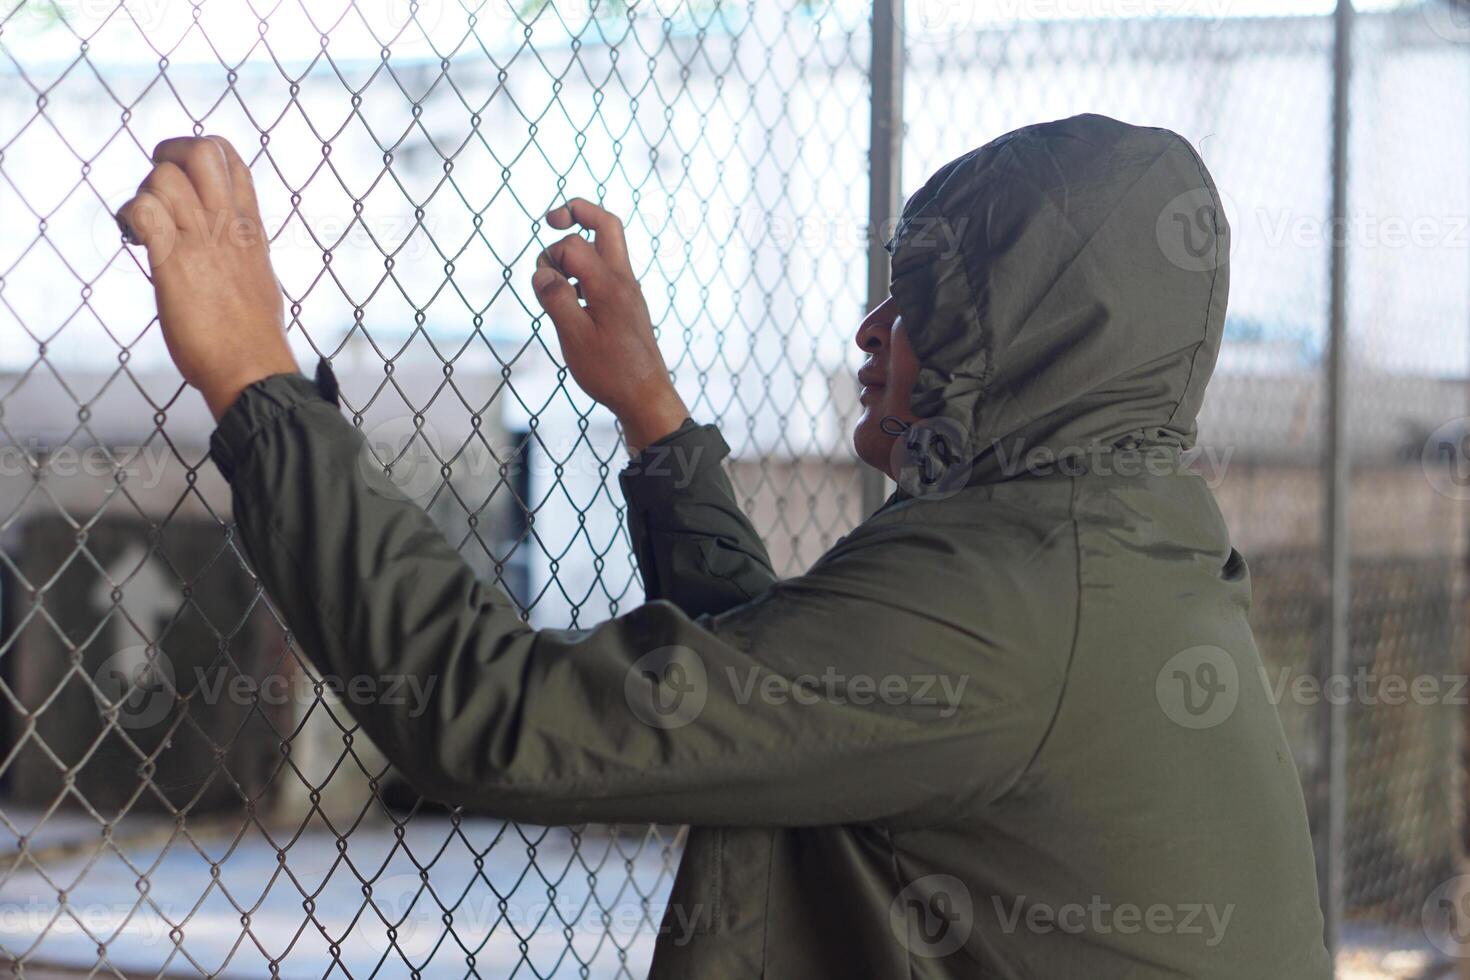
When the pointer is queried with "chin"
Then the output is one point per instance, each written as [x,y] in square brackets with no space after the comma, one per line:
[872,445]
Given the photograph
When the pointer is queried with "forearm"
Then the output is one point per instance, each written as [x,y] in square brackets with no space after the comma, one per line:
[370,590]
[694,544]
[473,705]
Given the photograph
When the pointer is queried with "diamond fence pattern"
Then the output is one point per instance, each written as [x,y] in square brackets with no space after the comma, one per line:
[182,794]
[179,794]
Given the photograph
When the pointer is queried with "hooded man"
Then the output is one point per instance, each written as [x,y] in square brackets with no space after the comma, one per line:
[1013,725]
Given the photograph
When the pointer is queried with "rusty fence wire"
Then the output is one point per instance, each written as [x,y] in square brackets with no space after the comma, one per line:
[180,795]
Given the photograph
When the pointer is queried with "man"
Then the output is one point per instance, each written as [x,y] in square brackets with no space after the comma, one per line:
[1013,725]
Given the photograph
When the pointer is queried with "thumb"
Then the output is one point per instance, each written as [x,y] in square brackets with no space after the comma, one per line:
[558,298]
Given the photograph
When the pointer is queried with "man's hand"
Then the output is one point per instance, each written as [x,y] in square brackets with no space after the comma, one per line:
[608,343]
[219,303]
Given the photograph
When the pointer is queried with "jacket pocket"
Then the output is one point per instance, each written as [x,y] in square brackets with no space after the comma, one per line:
[725,563]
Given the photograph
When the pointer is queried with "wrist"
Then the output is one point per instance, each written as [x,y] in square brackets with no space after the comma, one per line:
[652,419]
[220,392]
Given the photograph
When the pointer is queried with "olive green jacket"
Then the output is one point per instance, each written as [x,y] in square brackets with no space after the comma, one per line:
[1014,725]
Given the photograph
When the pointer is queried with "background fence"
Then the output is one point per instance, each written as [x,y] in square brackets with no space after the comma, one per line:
[403,154]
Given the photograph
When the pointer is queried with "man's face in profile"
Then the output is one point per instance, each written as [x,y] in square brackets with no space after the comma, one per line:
[887,377]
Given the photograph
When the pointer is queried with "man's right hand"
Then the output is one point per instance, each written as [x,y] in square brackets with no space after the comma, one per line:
[608,344]
[219,304]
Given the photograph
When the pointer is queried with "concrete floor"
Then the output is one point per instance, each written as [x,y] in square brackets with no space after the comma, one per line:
[239,902]
[226,905]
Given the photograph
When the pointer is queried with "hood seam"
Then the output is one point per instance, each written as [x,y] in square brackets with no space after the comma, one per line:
[1214,280]
[987,350]
[1086,243]
[977,446]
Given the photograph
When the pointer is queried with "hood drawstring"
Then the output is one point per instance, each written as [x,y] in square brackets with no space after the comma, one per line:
[928,449]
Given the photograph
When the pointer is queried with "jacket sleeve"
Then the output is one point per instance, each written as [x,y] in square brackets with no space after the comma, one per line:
[781,711]
[695,546]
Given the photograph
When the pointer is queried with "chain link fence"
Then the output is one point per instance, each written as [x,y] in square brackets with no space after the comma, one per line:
[181,795]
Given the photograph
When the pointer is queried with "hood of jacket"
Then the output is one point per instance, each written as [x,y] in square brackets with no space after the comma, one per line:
[1064,288]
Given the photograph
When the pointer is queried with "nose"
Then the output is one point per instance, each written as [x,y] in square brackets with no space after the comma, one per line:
[877,327]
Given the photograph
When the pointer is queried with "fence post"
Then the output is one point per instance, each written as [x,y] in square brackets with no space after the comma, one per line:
[885,154]
[1331,872]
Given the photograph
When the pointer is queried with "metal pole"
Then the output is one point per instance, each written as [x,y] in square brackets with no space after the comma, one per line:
[1458,663]
[885,154]
[1338,464]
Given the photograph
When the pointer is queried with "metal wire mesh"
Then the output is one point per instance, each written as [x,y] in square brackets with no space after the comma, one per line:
[403,155]
[182,795]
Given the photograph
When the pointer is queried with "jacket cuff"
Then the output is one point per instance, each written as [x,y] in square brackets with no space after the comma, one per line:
[258,407]
[671,464]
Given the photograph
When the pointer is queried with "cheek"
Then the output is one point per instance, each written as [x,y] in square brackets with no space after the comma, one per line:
[896,401]
[903,372]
